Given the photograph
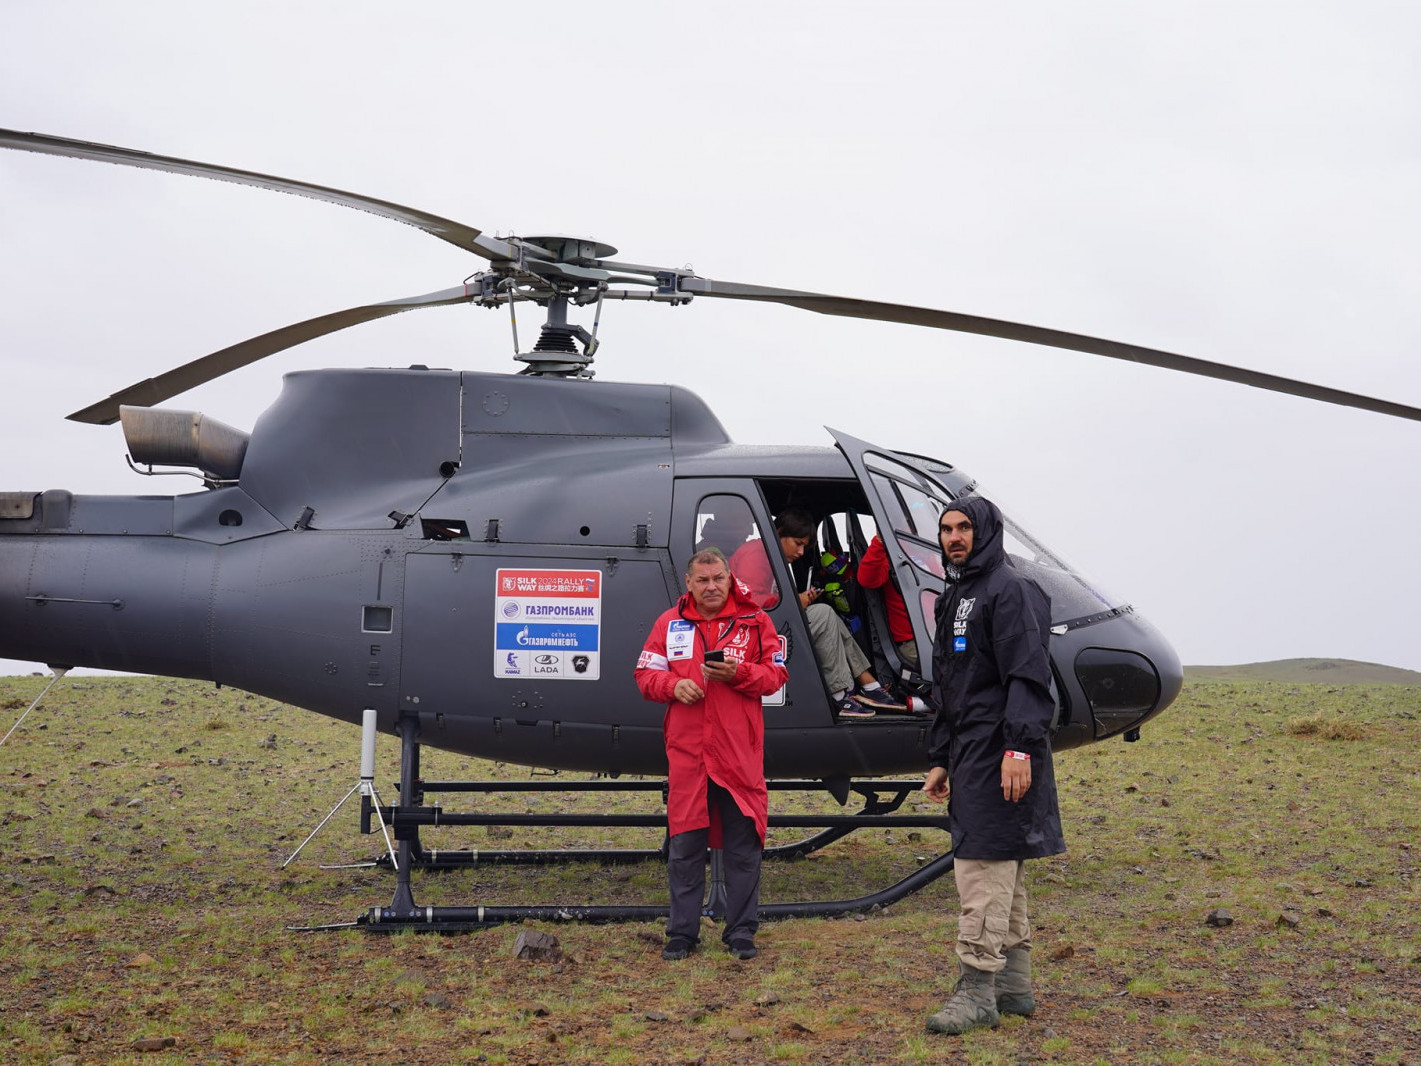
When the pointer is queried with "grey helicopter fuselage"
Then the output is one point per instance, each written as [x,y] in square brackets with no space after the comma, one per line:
[488,552]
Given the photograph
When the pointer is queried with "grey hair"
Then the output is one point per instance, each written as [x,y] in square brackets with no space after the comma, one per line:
[706,556]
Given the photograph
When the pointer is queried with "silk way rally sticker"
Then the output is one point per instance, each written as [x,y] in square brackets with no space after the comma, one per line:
[548,624]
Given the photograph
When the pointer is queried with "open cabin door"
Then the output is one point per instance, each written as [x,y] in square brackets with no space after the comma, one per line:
[906,504]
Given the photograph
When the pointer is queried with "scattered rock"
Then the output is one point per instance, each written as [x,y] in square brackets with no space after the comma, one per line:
[539,1011]
[1062,953]
[438,1000]
[140,960]
[1219,918]
[269,743]
[94,890]
[498,832]
[1289,920]
[795,1027]
[537,947]
[1323,912]
[739,1034]
[154,1043]
[655,1016]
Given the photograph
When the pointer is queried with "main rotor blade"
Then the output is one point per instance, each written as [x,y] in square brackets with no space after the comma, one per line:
[1054,338]
[456,233]
[152,391]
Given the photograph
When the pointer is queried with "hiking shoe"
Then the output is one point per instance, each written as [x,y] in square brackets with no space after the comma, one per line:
[849,708]
[743,949]
[677,948]
[880,699]
[1013,985]
[973,1005]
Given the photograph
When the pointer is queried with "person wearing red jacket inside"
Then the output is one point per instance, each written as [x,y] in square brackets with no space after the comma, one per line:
[874,573]
[715,745]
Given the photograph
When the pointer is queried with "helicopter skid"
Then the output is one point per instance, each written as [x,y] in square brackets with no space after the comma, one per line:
[881,799]
[470,919]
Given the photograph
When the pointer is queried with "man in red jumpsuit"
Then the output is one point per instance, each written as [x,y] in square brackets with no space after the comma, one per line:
[715,745]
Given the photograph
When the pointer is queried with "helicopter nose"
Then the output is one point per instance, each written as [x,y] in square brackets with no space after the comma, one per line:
[1128,673]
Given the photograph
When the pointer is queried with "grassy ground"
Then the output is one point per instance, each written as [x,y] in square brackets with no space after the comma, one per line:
[146,822]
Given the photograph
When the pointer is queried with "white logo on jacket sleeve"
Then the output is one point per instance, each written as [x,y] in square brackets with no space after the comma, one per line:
[651,661]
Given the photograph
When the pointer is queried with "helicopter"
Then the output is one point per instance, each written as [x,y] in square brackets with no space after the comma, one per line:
[477,556]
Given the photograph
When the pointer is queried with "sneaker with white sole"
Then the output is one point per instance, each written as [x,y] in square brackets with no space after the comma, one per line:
[848,708]
[880,699]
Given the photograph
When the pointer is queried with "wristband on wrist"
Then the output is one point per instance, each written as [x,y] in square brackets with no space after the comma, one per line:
[1018,755]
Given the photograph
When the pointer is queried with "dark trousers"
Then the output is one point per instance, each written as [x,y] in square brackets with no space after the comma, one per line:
[686,871]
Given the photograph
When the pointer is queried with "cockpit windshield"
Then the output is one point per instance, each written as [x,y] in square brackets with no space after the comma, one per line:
[915,491]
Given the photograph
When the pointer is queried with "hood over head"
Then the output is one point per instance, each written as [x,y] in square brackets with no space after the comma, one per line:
[988,548]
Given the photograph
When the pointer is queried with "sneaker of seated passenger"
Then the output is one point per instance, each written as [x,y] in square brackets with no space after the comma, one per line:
[881,699]
[849,708]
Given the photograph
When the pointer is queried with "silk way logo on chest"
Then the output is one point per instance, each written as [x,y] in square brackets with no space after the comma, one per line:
[964,610]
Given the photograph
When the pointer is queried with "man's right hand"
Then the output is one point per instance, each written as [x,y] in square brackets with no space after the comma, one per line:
[936,784]
[687,691]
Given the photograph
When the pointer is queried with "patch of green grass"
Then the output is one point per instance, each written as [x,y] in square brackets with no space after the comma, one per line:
[1257,820]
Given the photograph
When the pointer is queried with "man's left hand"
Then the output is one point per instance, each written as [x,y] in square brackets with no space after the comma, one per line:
[1016,778]
[719,671]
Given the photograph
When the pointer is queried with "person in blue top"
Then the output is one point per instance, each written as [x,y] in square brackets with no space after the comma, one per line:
[990,758]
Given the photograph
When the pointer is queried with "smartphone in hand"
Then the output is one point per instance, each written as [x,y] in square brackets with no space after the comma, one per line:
[717,656]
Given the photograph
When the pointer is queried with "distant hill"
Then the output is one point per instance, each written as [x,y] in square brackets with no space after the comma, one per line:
[1308,671]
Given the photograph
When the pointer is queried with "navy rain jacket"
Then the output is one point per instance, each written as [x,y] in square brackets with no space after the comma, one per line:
[992,676]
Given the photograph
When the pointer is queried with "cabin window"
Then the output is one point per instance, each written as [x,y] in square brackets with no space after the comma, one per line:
[726,523]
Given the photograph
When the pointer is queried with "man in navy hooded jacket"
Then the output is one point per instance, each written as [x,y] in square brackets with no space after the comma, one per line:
[991,743]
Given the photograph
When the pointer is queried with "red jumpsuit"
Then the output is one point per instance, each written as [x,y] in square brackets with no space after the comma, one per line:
[751,565]
[874,573]
[723,735]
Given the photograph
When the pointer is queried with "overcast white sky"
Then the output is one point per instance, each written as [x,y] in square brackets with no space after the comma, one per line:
[1234,182]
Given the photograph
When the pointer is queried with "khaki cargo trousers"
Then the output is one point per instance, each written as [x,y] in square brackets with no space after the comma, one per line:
[993,920]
